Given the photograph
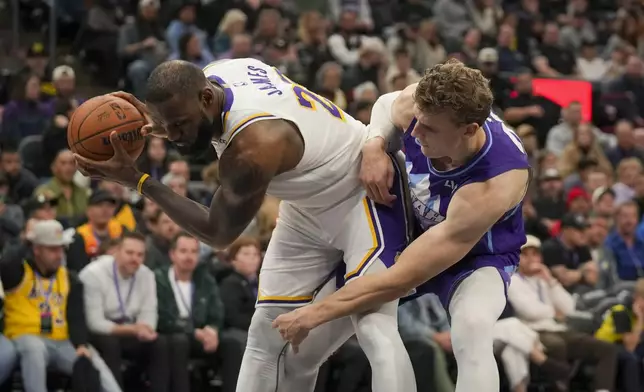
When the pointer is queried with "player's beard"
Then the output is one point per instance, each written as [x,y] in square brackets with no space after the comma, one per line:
[203,140]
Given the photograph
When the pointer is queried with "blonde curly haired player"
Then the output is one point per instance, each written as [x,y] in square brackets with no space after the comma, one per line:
[468,174]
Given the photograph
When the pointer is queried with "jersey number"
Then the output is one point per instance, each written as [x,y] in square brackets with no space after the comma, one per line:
[308,99]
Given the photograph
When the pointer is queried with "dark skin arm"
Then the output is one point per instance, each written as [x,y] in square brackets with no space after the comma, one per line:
[245,173]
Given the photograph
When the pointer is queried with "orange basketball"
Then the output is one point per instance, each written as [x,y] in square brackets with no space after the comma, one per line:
[89,129]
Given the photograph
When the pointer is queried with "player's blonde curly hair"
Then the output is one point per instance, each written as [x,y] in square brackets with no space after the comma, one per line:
[454,88]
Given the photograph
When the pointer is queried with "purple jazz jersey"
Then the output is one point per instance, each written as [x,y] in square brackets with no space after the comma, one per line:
[432,191]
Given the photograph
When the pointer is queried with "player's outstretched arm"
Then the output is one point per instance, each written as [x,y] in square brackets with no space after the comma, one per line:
[246,168]
[474,209]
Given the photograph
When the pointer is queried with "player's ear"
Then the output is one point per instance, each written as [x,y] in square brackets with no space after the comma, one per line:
[470,129]
[207,97]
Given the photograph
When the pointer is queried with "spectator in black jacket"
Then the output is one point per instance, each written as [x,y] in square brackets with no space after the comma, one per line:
[239,288]
[44,311]
[191,315]
[157,244]
[11,217]
[22,182]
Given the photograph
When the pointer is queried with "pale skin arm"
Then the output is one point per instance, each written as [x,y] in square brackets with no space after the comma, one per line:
[470,215]
[376,170]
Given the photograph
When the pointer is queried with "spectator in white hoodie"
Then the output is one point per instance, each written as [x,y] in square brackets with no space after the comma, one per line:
[541,302]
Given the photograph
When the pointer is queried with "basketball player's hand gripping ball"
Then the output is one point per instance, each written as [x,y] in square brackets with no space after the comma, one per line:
[150,128]
[294,326]
[121,167]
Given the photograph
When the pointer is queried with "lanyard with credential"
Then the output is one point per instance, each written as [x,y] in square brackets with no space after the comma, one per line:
[122,305]
[97,237]
[187,304]
[46,295]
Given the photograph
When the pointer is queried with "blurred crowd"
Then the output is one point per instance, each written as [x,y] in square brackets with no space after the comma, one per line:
[102,291]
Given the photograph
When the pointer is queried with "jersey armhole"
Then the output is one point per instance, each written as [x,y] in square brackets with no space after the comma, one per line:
[240,125]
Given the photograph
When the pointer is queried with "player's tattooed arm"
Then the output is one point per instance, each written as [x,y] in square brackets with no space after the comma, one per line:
[470,215]
[246,168]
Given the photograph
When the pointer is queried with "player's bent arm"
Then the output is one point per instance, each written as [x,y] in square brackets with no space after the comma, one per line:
[246,169]
[470,215]
[390,116]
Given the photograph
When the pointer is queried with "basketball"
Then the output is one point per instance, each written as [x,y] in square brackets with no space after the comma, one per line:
[89,129]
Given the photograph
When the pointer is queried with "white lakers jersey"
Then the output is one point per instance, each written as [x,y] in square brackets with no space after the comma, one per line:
[327,174]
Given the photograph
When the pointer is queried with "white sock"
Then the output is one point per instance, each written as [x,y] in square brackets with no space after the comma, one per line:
[474,309]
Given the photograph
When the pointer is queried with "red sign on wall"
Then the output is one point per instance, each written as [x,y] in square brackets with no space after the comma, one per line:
[563,92]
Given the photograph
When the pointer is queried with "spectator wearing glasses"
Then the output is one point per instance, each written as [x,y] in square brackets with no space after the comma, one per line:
[191,315]
[44,313]
[122,311]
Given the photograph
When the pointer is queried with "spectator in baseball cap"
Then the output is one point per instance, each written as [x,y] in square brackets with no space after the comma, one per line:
[64,79]
[101,224]
[568,255]
[540,301]
[549,202]
[578,201]
[37,60]
[44,307]
[41,207]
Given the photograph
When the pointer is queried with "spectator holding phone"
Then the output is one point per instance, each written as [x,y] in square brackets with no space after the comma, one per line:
[623,326]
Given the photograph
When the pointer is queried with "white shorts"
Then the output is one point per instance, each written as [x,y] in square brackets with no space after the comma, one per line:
[303,255]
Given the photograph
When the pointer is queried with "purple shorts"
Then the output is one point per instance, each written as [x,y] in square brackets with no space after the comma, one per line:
[396,226]
[444,284]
